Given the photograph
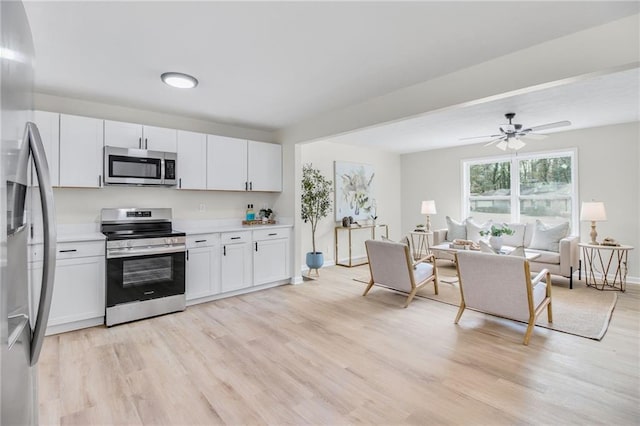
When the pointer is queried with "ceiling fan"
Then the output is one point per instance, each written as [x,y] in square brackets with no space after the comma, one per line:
[510,134]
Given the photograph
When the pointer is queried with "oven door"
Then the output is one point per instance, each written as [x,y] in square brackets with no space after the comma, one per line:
[138,278]
[133,166]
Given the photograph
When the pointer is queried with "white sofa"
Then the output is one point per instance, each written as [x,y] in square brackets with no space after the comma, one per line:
[562,263]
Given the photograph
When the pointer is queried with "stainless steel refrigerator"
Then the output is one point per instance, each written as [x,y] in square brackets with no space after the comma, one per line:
[21,336]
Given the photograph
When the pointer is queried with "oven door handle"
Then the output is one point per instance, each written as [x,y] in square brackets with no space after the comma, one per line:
[145,251]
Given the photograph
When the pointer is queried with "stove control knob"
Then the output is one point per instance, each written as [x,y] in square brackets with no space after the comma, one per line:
[129,244]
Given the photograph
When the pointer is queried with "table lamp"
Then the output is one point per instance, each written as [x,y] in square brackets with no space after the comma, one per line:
[593,211]
[428,207]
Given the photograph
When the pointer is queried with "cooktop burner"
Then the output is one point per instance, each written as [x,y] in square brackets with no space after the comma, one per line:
[134,223]
[132,234]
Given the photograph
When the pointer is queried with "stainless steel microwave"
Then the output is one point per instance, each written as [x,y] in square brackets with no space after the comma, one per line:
[127,166]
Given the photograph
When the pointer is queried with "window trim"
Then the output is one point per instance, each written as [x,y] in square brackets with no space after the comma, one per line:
[514,160]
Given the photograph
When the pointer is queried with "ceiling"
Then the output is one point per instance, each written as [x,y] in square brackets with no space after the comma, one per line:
[269,65]
[602,100]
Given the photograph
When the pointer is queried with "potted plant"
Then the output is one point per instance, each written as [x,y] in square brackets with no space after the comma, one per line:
[316,205]
[496,233]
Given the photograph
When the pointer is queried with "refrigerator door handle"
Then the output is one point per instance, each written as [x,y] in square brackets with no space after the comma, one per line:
[49,227]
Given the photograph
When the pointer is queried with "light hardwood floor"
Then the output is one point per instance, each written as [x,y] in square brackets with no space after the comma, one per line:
[320,353]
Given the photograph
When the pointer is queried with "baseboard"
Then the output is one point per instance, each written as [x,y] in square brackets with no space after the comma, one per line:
[75,325]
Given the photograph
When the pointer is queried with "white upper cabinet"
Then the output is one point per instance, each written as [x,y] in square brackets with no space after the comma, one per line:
[241,165]
[192,160]
[123,135]
[226,163]
[49,126]
[159,138]
[264,166]
[138,136]
[81,142]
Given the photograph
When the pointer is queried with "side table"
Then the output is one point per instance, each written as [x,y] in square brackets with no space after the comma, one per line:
[605,266]
[420,244]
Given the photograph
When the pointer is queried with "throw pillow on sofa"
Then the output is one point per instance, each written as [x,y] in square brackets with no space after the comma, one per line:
[547,237]
[473,229]
[517,238]
[456,230]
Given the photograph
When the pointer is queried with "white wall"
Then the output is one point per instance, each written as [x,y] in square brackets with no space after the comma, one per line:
[81,205]
[386,192]
[608,163]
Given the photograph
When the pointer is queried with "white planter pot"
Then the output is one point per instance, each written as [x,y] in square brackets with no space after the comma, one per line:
[495,242]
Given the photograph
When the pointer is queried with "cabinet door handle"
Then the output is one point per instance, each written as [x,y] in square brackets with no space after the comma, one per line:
[256,246]
[235,238]
[224,250]
[140,143]
[246,186]
[250,186]
[68,251]
[201,241]
[146,144]
[187,255]
[99,181]
[180,183]
[273,234]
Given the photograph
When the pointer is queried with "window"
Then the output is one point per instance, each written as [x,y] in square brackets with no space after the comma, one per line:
[522,188]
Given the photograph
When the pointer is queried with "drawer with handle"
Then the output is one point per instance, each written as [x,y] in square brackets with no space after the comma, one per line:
[235,237]
[80,249]
[270,234]
[202,240]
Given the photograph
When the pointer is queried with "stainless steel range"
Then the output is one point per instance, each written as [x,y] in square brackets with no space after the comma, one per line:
[145,264]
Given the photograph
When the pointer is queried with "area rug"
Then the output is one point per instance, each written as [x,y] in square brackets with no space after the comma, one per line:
[583,311]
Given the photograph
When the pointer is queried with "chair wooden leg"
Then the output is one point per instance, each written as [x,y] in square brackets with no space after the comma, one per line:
[549,312]
[368,288]
[410,298]
[527,335]
[460,311]
[435,278]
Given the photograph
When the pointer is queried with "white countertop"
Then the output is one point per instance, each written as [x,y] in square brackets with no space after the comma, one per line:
[91,231]
[192,229]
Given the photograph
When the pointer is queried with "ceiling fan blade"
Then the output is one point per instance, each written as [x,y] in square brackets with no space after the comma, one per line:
[548,126]
[479,137]
[493,141]
[535,136]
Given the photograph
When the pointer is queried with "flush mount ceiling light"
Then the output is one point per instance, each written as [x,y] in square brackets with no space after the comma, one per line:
[179,80]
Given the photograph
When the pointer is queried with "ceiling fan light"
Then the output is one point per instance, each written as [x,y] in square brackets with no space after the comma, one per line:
[502,145]
[516,144]
[179,80]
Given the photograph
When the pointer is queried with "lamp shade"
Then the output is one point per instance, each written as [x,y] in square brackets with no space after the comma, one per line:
[593,211]
[428,207]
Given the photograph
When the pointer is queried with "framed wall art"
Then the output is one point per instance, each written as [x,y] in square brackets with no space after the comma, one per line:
[354,190]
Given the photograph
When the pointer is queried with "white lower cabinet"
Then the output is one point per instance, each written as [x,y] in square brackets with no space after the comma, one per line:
[235,261]
[203,266]
[270,256]
[79,287]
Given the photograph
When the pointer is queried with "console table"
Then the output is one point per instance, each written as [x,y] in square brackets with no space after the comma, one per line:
[600,260]
[349,230]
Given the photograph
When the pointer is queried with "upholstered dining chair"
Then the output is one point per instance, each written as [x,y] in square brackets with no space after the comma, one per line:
[502,285]
[391,265]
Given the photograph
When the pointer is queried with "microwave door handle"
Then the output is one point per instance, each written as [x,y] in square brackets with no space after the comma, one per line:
[162,172]
[49,226]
